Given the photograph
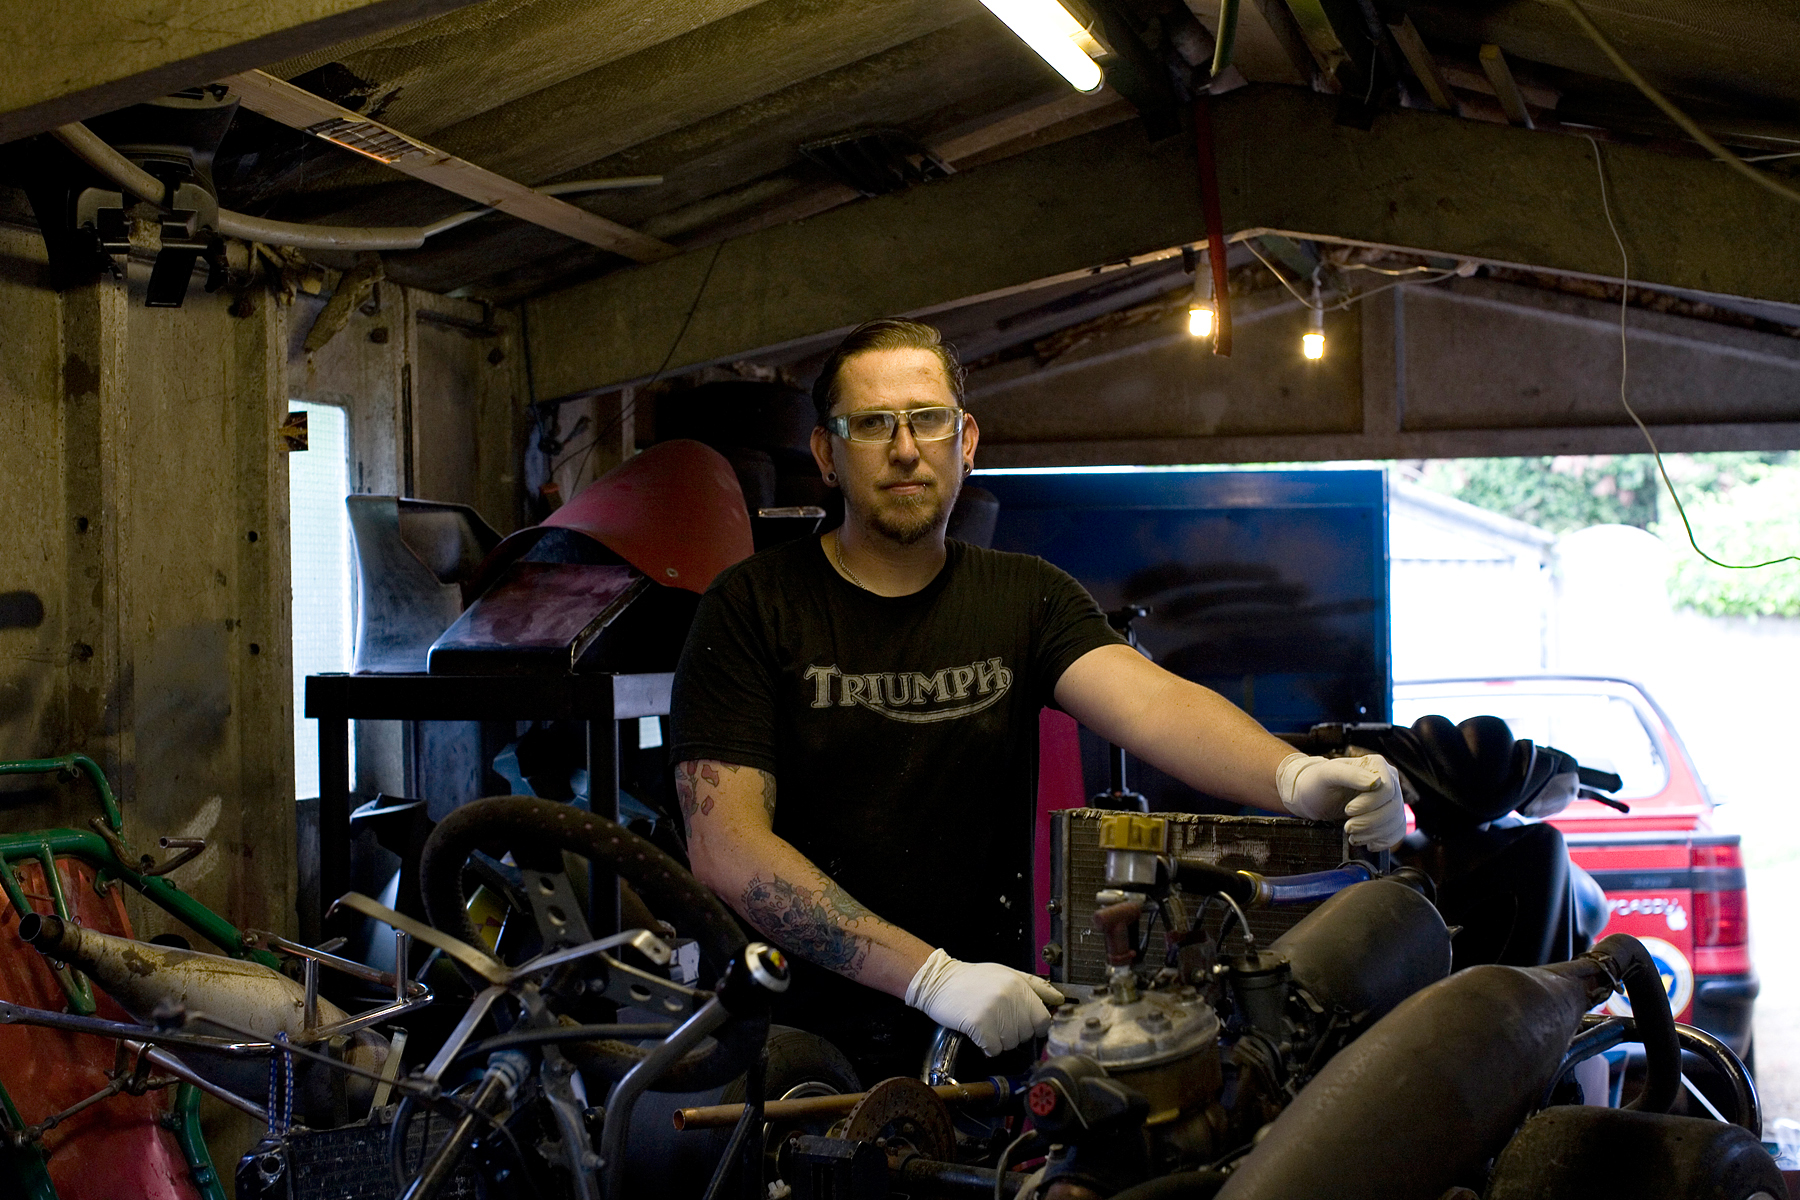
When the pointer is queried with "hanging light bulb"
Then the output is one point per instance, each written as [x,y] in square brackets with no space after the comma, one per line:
[1059,39]
[1312,342]
[1200,308]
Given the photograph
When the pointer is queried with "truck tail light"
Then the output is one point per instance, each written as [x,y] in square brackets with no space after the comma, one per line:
[1721,915]
[1720,919]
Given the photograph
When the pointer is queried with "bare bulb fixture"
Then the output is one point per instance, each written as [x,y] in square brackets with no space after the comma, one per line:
[1059,39]
[1200,319]
[1312,342]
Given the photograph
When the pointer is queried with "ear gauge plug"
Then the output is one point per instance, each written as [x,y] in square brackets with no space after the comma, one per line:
[831,477]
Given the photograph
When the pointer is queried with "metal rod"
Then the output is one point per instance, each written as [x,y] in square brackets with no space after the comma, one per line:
[390,1071]
[309,1010]
[722,1116]
[625,1093]
[478,1008]
[402,963]
[168,1063]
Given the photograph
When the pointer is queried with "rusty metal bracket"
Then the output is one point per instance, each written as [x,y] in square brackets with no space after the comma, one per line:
[186,850]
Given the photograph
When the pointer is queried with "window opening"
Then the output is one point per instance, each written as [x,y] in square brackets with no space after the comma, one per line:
[319,541]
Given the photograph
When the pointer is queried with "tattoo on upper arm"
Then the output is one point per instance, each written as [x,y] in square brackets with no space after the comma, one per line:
[812,924]
[696,784]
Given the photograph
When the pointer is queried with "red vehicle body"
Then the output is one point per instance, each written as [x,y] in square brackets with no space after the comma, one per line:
[1670,881]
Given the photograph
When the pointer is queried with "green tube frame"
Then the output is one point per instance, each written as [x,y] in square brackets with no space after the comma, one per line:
[25,1164]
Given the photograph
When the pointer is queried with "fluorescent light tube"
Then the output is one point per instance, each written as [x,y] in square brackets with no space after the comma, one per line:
[1047,28]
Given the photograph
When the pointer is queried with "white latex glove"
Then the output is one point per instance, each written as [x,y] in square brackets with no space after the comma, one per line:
[996,1007]
[1363,792]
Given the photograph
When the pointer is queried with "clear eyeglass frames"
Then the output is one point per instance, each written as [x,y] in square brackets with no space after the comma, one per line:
[932,424]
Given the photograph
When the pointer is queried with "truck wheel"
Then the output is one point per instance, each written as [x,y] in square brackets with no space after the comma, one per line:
[1582,1153]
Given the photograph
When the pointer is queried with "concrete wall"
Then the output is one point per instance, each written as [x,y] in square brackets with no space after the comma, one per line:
[145,506]
[144,539]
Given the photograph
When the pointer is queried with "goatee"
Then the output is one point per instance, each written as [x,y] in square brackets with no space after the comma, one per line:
[910,519]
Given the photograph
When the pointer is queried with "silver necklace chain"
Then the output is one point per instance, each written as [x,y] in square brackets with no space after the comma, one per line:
[837,545]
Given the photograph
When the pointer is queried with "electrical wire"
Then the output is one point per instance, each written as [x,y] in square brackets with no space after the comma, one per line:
[1624,372]
[627,410]
[1680,118]
[1359,297]
[1388,270]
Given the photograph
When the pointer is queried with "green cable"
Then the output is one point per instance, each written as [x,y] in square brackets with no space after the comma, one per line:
[1227,39]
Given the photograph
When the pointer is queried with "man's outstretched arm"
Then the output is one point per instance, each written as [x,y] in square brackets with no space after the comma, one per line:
[732,847]
[730,813]
[1210,744]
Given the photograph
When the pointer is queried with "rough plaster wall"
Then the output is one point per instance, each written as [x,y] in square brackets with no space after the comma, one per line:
[137,455]
[34,531]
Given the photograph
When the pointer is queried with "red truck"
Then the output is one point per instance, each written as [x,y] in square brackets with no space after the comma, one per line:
[1670,881]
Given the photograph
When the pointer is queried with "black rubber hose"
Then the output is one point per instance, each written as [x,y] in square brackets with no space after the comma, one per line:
[502,823]
[1637,971]
[1200,877]
[1183,1185]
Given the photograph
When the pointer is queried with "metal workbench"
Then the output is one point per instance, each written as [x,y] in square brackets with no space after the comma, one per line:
[335,700]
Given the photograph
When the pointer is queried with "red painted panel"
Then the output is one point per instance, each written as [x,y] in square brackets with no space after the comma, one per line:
[116,1150]
[1059,786]
[1663,921]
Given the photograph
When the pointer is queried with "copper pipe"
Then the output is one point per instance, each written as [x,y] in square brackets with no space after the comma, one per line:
[723,1116]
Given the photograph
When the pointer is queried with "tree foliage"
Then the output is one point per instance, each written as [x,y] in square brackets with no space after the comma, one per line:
[1744,508]
[1755,520]
[1559,494]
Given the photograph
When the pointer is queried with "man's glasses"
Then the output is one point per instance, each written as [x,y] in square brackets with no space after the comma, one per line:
[878,424]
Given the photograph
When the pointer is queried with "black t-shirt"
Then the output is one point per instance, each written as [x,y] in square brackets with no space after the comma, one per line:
[901,731]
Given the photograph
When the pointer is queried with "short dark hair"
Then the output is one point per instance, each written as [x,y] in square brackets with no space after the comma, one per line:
[885,333]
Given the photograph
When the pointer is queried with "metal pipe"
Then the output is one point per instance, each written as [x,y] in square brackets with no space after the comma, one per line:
[940,1057]
[925,1176]
[91,149]
[722,1116]
[1743,1088]
[1440,1084]
[319,237]
[170,1065]
[625,1093]
[87,145]
[498,1087]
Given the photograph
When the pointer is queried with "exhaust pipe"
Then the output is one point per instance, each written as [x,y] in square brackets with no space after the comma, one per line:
[248,995]
[1435,1089]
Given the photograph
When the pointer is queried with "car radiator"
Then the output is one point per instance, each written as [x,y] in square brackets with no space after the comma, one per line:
[1267,845]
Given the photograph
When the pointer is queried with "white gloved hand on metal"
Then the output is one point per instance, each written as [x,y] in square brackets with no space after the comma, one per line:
[995,1006]
[1363,792]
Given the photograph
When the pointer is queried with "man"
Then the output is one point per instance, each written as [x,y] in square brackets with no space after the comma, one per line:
[855,728]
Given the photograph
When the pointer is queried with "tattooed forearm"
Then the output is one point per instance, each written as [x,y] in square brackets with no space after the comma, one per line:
[814,925]
[699,786]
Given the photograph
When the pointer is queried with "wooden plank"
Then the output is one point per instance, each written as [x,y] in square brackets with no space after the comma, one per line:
[73,59]
[295,106]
